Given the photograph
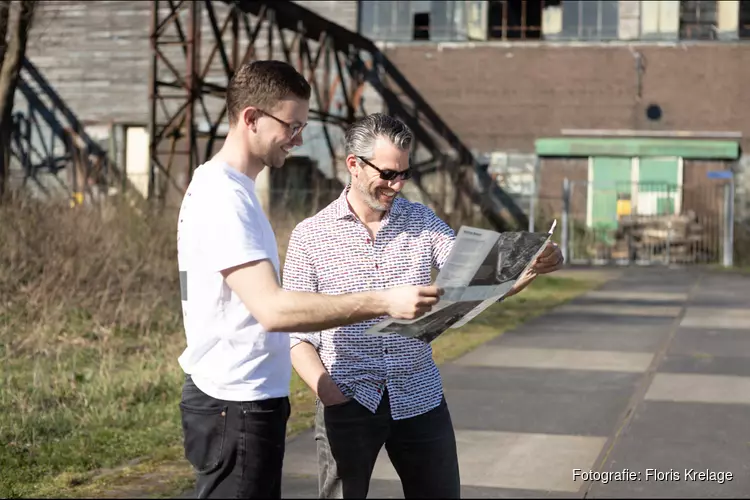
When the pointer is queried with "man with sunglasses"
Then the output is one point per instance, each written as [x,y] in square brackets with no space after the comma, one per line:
[376,391]
[237,362]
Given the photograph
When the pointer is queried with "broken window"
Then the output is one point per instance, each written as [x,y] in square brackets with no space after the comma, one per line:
[421,30]
[590,19]
[698,20]
[744,20]
[514,19]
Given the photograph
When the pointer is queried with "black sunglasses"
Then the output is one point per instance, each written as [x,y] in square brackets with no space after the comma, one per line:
[389,175]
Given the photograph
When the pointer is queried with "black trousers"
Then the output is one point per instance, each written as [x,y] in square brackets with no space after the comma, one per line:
[236,448]
[422,449]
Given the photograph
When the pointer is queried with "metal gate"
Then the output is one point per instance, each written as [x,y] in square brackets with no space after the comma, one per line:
[647,223]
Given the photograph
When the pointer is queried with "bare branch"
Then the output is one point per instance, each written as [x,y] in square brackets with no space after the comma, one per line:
[28,9]
[11,67]
[4,17]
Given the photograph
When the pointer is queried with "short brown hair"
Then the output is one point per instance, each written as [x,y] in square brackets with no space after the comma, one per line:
[263,84]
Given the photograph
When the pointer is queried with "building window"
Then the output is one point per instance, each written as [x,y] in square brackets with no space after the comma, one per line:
[421,30]
[405,21]
[515,19]
[698,20]
[744,20]
[590,19]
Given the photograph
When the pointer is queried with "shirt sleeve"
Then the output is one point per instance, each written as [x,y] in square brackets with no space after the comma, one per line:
[229,229]
[442,238]
[300,276]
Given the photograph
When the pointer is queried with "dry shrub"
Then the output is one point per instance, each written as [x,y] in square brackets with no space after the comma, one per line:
[110,268]
[67,273]
[60,266]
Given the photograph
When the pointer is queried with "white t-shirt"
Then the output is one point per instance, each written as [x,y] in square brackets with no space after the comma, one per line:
[229,355]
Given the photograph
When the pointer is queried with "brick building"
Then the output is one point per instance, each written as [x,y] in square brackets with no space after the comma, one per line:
[636,72]
[595,91]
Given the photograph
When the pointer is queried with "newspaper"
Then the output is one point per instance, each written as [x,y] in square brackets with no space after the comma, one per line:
[481,269]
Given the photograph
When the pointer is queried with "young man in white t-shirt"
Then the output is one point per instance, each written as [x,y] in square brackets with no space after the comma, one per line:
[235,399]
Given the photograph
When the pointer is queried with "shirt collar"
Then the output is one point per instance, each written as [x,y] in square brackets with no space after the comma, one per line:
[341,209]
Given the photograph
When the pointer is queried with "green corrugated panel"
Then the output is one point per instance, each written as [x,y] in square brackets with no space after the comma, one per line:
[659,178]
[611,176]
[630,147]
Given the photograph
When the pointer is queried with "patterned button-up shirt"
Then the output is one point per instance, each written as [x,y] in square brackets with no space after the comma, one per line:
[333,253]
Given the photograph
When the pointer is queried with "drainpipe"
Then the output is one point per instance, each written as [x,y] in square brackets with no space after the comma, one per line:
[639,69]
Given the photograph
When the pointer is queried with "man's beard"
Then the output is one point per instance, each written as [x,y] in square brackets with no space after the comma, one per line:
[370,198]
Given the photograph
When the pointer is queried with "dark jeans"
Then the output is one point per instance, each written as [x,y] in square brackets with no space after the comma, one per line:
[236,448]
[422,449]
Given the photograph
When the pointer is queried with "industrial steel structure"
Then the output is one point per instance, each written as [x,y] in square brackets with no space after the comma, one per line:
[81,114]
[196,47]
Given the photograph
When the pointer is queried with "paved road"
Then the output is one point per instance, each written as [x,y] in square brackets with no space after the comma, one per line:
[650,374]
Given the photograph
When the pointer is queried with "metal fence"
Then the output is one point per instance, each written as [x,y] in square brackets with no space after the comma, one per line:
[647,223]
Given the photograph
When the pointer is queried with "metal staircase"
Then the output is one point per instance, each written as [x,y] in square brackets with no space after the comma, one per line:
[197,45]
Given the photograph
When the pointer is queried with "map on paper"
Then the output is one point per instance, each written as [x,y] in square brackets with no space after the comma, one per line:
[481,268]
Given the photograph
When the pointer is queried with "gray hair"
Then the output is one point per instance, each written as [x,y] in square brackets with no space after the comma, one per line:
[361,135]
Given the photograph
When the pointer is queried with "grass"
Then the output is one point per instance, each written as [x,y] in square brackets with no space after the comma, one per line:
[90,331]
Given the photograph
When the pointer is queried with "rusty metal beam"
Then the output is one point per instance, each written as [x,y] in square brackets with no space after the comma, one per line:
[186,94]
[192,79]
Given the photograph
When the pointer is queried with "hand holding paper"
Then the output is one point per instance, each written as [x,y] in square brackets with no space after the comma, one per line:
[550,260]
[483,266]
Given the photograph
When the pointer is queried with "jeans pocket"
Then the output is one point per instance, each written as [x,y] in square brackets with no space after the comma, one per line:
[204,430]
[340,411]
[339,405]
[265,406]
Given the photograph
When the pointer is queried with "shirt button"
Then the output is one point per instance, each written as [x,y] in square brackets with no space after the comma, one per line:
[385,351]
[368,240]
[376,265]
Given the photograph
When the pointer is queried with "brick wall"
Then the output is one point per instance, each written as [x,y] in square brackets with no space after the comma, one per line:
[502,96]
[552,172]
[703,195]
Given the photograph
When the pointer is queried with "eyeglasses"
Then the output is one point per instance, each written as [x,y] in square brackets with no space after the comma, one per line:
[389,175]
[294,129]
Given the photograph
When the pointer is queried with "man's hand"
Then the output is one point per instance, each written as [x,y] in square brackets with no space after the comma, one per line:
[328,392]
[550,260]
[308,365]
[410,302]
